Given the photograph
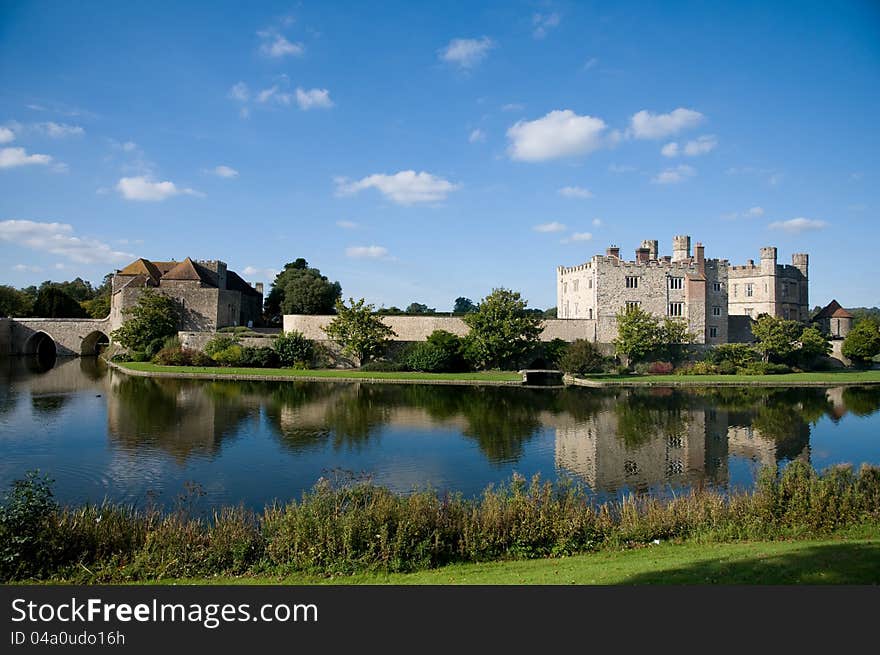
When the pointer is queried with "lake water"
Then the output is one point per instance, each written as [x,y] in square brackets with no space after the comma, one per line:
[101,434]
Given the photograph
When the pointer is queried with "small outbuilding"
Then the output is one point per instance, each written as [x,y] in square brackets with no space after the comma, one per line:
[834,320]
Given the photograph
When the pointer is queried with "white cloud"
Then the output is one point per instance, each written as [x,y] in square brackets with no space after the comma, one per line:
[273,94]
[313,99]
[225,171]
[561,133]
[466,53]
[347,225]
[578,236]
[477,135]
[645,125]
[670,150]
[26,268]
[621,168]
[240,92]
[550,227]
[274,45]
[575,192]
[366,252]
[701,145]
[254,272]
[798,225]
[6,135]
[59,130]
[592,62]
[597,222]
[755,211]
[58,239]
[404,188]
[674,175]
[143,188]
[543,23]
[13,157]
[512,106]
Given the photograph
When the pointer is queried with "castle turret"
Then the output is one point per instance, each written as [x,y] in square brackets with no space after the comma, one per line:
[652,246]
[801,261]
[768,260]
[681,248]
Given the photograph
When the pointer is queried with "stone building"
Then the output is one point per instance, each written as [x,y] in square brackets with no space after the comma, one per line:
[834,320]
[716,300]
[209,295]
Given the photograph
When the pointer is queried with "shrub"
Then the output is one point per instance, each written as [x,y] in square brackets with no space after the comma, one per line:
[862,343]
[178,356]
[24,516]
[426,357]
[384,366]
[660,368]
[452,345]
[582,357]
[698,368]
[555,350]
[230,356]
[294,348]
[763,368]
[139,356]
[738,354]
[259,357]
[220,343]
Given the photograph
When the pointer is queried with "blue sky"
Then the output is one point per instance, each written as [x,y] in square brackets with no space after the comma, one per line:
[419,152]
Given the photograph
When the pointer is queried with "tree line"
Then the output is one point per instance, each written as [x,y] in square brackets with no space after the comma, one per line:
[70,299]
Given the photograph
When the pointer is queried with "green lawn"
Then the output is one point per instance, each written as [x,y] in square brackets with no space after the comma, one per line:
[482,376]
[823,377]
[852,557]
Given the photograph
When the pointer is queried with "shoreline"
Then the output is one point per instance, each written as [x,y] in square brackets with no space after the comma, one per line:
[785,380]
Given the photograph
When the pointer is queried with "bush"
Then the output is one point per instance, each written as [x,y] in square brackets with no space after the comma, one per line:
[764,368]
[427,358]
[230,356]
[452,346]
[582,357]
[178,356]
[220,343]
[698,368]
[139,356]
[294,349]
[738,354]
[660,368]
[24,517]
[384,366]
[261,357]
[554,351]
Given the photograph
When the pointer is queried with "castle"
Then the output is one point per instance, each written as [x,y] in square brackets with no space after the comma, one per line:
[715,299]
[208,294]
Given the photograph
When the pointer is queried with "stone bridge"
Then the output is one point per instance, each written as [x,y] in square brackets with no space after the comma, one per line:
[67,336]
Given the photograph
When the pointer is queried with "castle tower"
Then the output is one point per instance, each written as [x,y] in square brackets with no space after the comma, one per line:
[768,260]
[681,248]
[652,246]
[801,261]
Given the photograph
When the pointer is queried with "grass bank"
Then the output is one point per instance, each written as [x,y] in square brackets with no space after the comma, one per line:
[319,374]
[818,378]
[849,556]
[364,529]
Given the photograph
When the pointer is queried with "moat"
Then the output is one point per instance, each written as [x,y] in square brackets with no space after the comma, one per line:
[101,434]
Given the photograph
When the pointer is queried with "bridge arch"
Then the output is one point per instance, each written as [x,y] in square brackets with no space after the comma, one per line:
[42,345]
[94,343]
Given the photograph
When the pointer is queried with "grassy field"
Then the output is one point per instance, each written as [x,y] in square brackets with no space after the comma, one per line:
[820,377]
[850,557]
[481,376]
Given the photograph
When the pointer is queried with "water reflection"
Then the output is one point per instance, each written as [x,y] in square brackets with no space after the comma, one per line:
[255,441]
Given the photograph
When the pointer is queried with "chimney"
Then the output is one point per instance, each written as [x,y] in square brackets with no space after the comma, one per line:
[681,248]
[642,255]
[700,256]
[613,251]
[653,247]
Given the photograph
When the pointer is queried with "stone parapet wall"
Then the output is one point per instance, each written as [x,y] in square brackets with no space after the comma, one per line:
[419,328]
[197,340]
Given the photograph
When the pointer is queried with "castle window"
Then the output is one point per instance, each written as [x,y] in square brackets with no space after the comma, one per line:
[750,290]
[716,286]
[784,289]
[676,282]
[676,308]
[630,467]
[632,282]
[575,310]
[591,312]
[565,287]
[713,331]
[674,441]
[632,304]
[734,291]
[674,467]
[716,310]
[590,283]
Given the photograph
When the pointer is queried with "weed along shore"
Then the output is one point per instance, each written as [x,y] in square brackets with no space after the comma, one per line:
[363,529]
[814,379]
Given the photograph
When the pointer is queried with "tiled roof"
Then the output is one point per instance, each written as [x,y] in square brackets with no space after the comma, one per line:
[190,270]
[832,310]
[235,283]
[142,267]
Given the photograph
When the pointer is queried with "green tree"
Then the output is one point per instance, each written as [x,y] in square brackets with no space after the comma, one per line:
[502,332]
[14,302]
[550,313]
[419,308]
[53,302]
[638,334]
[294,349]
[359,331]
[776,338]
[862,343]
[77,289]
[813,344]
[299,289]
[674,338]
[463,306]
[582,357]
[98,307]
[148,323]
